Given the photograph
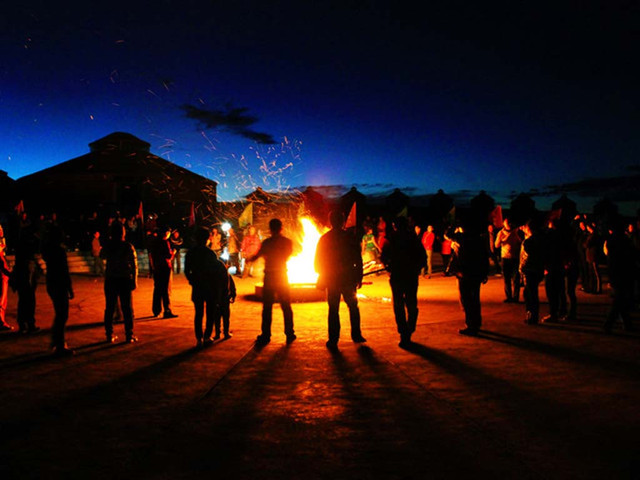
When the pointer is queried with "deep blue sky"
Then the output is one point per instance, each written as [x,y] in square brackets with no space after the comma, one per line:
[423,96]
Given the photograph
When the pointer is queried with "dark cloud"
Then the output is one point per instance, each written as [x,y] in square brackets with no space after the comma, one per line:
[620,189]
[234,120]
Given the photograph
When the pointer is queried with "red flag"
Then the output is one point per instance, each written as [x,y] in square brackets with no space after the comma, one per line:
[141,213]
[555,214]
[19,208]
[192,216]
[495,217]
[351,219]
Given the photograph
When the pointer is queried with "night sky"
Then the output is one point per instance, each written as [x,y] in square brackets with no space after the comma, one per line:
[462,96]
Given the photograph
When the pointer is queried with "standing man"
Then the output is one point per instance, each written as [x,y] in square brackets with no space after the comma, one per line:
[428,238]
[532,270]
[121,278]
[276,250]
[206,275]
[58,287]
[404,256]
[471,266]
[508,241]
[339,264]
[619,251]
[162,259]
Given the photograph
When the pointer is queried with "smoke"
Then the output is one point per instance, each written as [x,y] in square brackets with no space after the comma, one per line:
[235,120]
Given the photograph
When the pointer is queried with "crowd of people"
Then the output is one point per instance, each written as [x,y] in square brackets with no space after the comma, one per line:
[562,253]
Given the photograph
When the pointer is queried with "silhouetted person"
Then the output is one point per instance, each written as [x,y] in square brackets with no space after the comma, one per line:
[227,297]
[98,262]
[162,258]
[24,280]
[276,250]
[176,245]
[206,275]
[428,239]
[554,281]
[339,264]
[59,287]
[121,277]
[592,250]
[531,270]
[5,274]
[620,252]
[508,240]
[404,257]
[470,264]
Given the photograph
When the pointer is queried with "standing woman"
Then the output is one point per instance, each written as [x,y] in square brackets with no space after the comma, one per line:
[58,287]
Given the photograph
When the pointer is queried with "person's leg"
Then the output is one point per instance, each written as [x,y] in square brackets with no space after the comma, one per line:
[198,307]
[411,298]
[4,299]
[398,294]
[268,299]
[351,299]
[333,301]
[225,313]
[126,300]
[284,295]
[212,313]
[110,297]
[508,274]
[156,299]
[572,283]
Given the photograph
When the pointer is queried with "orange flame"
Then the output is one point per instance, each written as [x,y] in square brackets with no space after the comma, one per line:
[300,267]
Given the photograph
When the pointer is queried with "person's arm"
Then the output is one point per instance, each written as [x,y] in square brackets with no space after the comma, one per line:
[133,258]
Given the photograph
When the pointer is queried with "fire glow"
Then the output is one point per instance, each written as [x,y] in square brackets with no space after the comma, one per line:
[300,268]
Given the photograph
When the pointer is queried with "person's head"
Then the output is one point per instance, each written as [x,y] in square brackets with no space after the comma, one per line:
[430,228]
[175,234]
[252,230]
[417,229]
[202,236]
[336,219]
[96,234]
[275,226]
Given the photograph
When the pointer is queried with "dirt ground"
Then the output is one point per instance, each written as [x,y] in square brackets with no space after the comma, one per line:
[547,401]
